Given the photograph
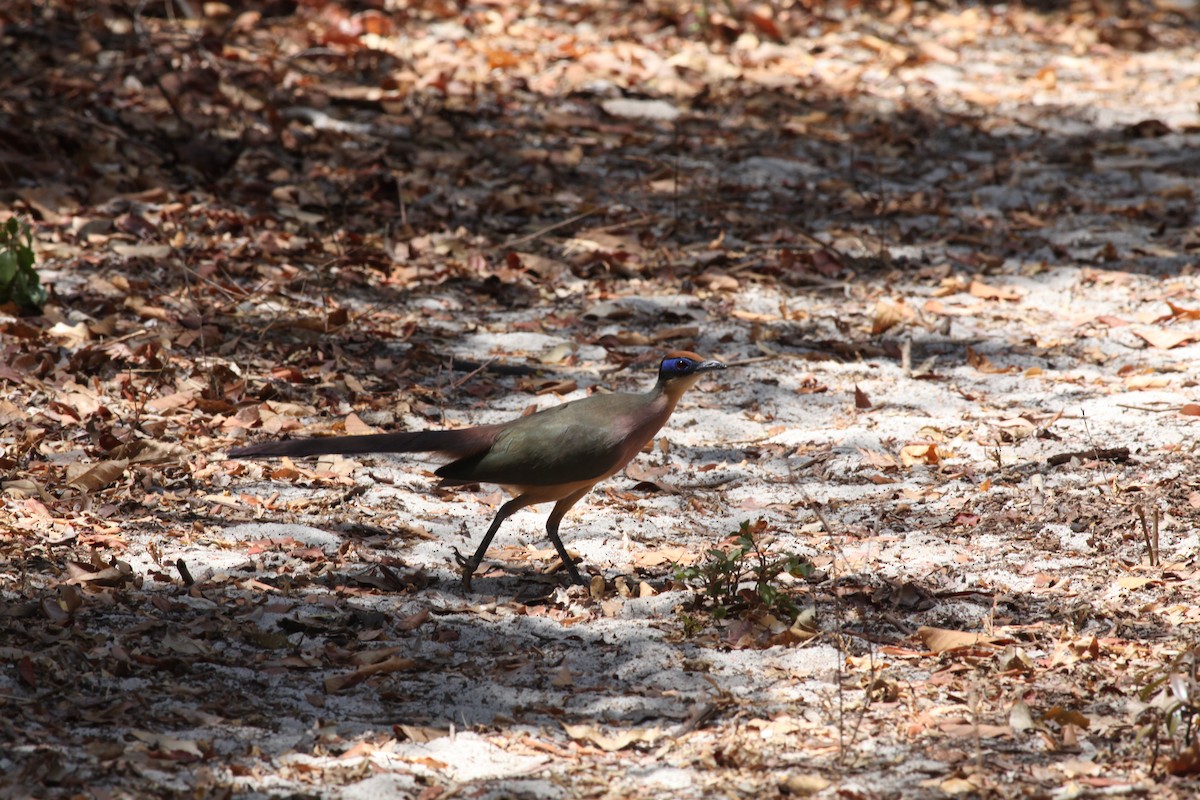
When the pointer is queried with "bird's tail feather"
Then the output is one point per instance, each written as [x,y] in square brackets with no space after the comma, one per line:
[462,442]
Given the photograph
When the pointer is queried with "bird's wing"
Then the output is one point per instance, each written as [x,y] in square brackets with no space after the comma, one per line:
[574,442]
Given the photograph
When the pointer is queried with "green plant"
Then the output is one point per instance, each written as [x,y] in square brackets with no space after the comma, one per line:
[1172,692]
[745,577]
[18,280]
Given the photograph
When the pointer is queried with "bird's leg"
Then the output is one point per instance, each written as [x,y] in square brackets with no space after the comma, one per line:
[560,510]
[471,564]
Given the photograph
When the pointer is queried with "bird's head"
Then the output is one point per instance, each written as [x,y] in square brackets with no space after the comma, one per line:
[680,370]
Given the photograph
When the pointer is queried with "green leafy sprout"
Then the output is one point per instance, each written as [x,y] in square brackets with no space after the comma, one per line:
[745,577]
[18,280]
[1172,694]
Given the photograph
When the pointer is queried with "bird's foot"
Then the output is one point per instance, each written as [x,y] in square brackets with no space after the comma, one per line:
[576,578]
[468,565]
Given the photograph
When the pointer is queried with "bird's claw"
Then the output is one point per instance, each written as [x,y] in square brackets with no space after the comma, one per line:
[574,575]
[468,565]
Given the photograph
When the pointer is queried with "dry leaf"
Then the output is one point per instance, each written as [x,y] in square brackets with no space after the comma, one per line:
[169,745]
[986,291]
[1067,716]
[878,459]
[888,315]
[336,683]
[1186,763]
[1149,381]
[1165,340]
[1179,312]
[804,785]
[984,364]
[1020,718]
[356,427]
[919,454]
[941,640]
[612,742]
[861,400]
[95,477]
[1133,582]
[663,555]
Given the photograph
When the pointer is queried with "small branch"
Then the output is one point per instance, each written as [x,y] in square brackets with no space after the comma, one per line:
[1150,535]
[543,231]
[1096,453]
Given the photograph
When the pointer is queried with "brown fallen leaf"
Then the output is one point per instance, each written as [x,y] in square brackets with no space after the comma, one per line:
[878,459]
[171,746]
[1165,340]
[677,332]
[1067,716]
[336,683]
[986,291]
[889,314]
[612,742]
[1186,763]
[984,364]
[919,454]
[1111,321]
[149,451]
[861,400]
[1139,383]
[941,640]
[969,730]
[117,574]
[177,400]
[94,477]
[420,734]
[803,785]
[1179,312]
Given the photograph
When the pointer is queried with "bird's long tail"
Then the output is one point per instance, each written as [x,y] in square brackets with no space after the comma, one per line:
[462,442]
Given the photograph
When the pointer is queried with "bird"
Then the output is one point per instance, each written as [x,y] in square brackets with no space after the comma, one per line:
[554,455]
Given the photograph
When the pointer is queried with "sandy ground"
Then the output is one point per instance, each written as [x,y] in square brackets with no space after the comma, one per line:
[323,646]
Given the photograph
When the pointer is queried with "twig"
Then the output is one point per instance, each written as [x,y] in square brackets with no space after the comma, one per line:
[1148,409]
[542,231]
[1096,453]
[1150,537]
[470,374]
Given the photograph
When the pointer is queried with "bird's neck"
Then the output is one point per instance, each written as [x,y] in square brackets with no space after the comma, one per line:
[670,391]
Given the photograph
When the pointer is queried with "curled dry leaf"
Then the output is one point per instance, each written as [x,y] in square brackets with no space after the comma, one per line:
[1166,340]
[861,401]
[888,315]
[941,640]
[336,683]
[94,477]
[919,454]
[986,291]
[118,574]
[612,742]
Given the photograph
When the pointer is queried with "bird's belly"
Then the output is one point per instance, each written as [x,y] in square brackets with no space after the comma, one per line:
[547,494]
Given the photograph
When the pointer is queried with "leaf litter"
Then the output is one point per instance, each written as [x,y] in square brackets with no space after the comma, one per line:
[950,253]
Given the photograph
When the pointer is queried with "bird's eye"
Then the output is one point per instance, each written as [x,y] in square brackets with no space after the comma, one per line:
[682,364]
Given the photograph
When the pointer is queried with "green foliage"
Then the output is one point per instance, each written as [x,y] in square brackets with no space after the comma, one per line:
[725,578]
[18,279]
[1172,691]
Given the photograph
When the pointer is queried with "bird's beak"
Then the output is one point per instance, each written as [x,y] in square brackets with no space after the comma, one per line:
[708,366]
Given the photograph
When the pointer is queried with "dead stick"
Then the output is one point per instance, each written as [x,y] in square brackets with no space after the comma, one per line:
[1096,453]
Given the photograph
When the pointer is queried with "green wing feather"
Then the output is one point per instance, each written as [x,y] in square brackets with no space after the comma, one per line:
[577,441]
